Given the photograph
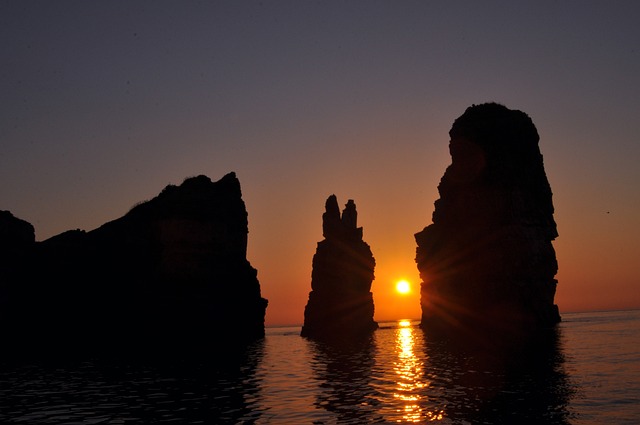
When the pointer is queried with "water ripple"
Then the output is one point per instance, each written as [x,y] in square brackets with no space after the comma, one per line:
[396,376]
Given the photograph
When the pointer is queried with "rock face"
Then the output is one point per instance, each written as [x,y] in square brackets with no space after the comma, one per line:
[487,261]
[17,242]
[340,302]
[170,274]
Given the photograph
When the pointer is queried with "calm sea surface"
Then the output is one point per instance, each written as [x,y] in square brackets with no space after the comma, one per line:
[589,373]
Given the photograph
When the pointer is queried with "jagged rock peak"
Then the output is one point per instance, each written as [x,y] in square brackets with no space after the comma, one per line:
[197,197]
[340,302]
[335,225]
[229,181]
[350,215]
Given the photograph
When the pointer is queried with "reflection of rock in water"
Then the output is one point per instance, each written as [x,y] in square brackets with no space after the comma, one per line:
[487,260]
[345,372]
[108,391]
[340,302]
[516,382]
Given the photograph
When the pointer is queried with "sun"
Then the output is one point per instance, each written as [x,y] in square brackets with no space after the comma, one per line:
[403,286]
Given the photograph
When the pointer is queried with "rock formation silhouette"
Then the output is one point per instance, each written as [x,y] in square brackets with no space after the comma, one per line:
[487,261]
[170,275]
[340,302]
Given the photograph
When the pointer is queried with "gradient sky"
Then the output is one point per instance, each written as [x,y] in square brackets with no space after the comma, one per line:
[104,103]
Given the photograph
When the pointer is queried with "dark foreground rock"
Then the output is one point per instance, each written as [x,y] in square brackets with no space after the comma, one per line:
[170,275]
[340,302]
[487,261]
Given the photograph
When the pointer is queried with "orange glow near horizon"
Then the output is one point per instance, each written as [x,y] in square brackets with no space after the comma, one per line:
[390,303]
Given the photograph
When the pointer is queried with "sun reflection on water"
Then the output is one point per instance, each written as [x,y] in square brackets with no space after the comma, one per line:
[410,380]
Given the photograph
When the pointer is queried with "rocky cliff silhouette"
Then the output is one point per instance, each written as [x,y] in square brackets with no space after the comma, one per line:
[487,261]
[171,274]
[340,302]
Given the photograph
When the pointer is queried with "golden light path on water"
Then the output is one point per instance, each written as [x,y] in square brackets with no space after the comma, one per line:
[410,377]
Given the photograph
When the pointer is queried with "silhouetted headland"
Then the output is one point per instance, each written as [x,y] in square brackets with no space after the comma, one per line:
[170,275]
[340,302]
[487,261]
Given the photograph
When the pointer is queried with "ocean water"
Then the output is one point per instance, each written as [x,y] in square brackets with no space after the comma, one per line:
[587,373]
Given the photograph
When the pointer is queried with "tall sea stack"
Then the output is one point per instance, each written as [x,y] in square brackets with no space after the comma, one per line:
[487,261]
[340,302]
[170,275]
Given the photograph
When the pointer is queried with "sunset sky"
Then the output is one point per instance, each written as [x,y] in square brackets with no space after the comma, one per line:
[104,103]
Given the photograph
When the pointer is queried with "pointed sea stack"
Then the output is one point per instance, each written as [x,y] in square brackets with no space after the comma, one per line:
[487,261]
[340,302]
[169,276]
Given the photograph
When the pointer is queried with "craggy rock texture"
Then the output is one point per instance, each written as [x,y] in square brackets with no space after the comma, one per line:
[170,275]
[340,302]
[487,261]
